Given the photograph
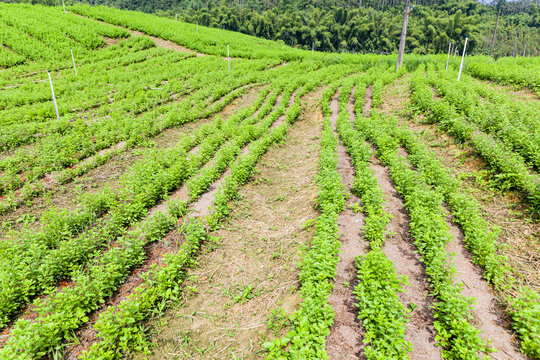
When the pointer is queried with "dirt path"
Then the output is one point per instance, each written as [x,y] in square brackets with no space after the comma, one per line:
[489,315]
[368,101]
[399,248]
[252,269]
[165,43]
[345,339]
[503,209]
[522,94]
[158,41]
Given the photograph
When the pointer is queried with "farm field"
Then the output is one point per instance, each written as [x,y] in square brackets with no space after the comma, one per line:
[203,194]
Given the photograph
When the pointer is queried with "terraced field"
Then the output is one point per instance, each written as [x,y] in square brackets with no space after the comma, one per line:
[204,194]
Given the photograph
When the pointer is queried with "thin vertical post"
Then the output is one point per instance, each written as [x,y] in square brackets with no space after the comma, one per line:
[64,5]
[463,58]
[448,58]
[524,49]
[515,43]
[228,57]
[73,58]
[176,17]
[53,97]
[494,34]
[406,14]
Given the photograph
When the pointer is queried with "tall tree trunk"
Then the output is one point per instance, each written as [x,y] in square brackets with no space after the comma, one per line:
[494,34]
[403,33]
[515,43]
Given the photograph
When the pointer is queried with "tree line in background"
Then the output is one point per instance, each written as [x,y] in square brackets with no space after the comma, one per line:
[361,26]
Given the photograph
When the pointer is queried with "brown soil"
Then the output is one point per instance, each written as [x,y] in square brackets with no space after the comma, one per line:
[65,196]
[368,101]
[399,248]
[503,209]
[488,314]
[346,334]
[86,334]
[110,41]
[165,43]
[158,41]
[252,271]
[282,118]
[523,94]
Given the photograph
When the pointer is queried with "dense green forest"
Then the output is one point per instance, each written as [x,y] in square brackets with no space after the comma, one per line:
[365,26]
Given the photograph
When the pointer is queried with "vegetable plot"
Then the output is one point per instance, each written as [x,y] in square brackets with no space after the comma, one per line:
[108,214]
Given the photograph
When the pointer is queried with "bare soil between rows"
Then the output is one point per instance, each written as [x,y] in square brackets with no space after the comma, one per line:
[346,334]
[251,269]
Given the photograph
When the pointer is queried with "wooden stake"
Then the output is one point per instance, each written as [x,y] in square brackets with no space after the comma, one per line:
[406,14]
[53,97]
[494,34]
[463,58]
[524,49]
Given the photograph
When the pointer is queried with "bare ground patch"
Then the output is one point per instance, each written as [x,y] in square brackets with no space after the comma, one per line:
[65,196]
[399,248]
[252,270]
[171,136]
[488,313]
[519,235]
[346,334]
[516,93]
[111,41]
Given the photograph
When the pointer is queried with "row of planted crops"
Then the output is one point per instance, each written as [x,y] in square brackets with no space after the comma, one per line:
[58,271]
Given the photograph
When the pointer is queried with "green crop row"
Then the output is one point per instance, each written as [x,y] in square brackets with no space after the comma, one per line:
[64,152]
[381,312]
[74,303]
[312,321]
[491,118]
[118,327]
[206,40]
[39,267]
[522,72]
[511,167]
[479,236]
[456,335]
[47,33]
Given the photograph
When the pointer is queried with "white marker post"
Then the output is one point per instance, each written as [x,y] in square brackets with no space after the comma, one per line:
[53,97]
[463,58]
[448,59]
[228,57]
[73,58]
[64,5]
